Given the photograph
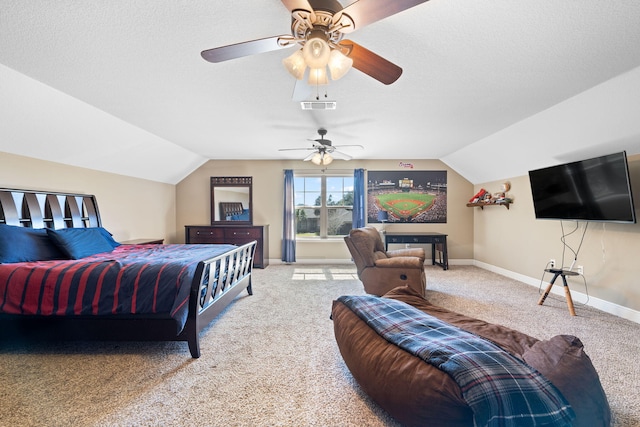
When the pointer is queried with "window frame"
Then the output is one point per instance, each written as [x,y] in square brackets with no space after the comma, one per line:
[324,208]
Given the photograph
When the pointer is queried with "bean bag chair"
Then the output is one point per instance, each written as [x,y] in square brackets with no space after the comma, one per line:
[417,393]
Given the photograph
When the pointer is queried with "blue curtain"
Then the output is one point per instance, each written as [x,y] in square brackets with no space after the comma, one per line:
[358,199]
[289,222]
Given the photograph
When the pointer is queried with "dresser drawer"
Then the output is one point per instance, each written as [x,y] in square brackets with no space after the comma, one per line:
[243,233]
[234,235]
[205,235]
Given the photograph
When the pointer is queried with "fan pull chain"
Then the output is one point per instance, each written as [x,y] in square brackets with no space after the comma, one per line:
[318,93]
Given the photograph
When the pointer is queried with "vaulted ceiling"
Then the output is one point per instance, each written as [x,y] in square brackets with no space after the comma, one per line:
[120,86]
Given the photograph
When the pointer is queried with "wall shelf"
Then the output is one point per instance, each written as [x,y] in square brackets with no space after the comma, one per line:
[481,205]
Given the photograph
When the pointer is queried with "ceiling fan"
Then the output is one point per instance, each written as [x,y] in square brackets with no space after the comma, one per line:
[323,150]
[319,26]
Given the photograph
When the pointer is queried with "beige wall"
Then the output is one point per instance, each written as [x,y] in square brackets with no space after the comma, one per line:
[515,241]
[507,239]
[193,203]
[130,208]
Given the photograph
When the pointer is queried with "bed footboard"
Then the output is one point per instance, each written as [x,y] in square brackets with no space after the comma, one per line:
[217,282]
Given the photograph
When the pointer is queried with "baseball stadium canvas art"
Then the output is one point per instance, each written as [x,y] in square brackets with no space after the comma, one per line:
[407,197]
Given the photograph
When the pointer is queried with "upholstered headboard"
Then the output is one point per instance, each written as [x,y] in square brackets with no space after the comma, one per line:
[228,209]
[41,209]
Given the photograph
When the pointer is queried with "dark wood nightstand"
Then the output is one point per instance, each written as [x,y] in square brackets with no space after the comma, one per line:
[150,241]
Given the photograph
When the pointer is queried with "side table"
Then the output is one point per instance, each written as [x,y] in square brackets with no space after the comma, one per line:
[438,242]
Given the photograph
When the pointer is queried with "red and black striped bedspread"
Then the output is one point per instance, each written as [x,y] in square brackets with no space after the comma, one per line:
[133,279]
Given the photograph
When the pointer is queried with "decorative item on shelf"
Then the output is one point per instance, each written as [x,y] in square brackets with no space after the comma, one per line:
[484,198]
[479,196]
[502,196]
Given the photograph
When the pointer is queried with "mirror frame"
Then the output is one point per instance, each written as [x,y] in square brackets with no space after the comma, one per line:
[235,182]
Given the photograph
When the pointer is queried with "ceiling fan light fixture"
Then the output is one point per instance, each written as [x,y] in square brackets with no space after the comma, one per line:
[323,159]
[318,76]
[295,64]
[327,159]
[339,64]
[316,159]
[316,52]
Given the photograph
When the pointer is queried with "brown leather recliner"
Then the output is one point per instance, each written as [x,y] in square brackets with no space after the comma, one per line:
[382,271]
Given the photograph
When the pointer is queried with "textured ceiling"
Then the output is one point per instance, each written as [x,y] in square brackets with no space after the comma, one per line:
[131,74]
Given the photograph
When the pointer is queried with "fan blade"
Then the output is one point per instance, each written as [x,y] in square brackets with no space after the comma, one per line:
[238,50]
[309,157]
[302,90]
[292,5]
[300,9]
[321,141]
[341,155]
[370,63]
[296,149]
[365,12]
[350,146]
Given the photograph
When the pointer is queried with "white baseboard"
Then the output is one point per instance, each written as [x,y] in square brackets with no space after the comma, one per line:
[600,304]
[456,261]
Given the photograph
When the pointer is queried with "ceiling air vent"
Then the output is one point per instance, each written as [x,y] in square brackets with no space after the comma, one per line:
[318,105]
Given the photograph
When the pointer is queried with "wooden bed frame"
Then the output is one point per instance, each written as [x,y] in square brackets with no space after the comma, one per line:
[217,280]
[228,209]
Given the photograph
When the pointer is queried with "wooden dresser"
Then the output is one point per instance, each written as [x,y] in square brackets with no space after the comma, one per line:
[235,235]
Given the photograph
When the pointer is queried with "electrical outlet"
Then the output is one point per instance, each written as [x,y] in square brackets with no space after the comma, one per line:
[552,263]
[580,270]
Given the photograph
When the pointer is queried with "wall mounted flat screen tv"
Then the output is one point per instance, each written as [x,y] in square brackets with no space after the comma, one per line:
[595,189]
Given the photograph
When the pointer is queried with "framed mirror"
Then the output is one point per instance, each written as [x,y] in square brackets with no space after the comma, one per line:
[231,200]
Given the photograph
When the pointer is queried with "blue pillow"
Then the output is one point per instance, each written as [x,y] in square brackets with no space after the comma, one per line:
[109,237]
[244,216]
[78,243]
[23,244]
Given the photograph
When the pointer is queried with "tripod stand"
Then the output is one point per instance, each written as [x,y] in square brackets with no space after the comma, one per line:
[567,293]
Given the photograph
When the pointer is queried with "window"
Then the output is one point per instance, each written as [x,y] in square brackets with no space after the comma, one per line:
[324,205]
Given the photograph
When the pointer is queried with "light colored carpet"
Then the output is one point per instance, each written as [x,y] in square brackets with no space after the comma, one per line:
[271,360]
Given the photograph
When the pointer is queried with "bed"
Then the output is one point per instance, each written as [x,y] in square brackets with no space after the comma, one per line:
[63,277]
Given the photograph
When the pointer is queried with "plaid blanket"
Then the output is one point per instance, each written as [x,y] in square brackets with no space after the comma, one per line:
[500,389]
